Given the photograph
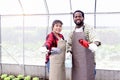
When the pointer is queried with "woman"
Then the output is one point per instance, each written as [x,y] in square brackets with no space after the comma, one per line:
[55,58]
[52,39]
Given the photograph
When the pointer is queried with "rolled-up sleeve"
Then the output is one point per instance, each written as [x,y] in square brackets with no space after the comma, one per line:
[92,34]
[49,40]
[69,42]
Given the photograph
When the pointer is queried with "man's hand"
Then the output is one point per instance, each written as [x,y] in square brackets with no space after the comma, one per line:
[84,43]
[68,55]
[55,50]
[92,46]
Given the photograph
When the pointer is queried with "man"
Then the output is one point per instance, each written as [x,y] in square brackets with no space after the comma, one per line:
[82,43]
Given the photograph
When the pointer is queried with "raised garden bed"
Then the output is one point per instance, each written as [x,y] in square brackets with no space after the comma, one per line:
[19,77]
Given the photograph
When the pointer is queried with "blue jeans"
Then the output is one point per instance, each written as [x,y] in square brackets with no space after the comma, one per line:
[94,71]
[48,65]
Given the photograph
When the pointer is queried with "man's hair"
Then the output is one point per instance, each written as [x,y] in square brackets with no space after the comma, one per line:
[55,22]
[80,12]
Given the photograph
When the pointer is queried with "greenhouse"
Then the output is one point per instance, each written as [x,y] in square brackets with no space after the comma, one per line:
[24,25]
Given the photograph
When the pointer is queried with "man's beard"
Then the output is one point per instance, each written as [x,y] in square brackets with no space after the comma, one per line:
[79,24]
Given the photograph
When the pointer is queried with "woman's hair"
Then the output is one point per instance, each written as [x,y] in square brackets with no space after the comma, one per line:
[55,22]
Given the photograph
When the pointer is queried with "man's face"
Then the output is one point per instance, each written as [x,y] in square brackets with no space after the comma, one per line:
[78,18]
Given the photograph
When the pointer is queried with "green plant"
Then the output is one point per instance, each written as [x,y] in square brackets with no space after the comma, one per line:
[35,78]
[20,76]
[27,78]
[16,79]
[11,77]
[3,76]
[7,78]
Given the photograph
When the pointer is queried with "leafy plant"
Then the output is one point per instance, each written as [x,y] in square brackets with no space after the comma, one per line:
[20,77]
[35,78]
[3,76]
[16,79]
[11,77]
[27,78]
[7,78]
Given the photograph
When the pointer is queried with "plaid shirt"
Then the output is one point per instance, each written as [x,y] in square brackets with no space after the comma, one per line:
[51,41]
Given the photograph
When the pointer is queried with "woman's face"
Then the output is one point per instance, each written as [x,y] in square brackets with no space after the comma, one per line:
[57,28]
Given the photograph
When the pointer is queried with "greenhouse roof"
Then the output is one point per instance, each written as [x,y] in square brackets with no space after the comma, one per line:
[43,7]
